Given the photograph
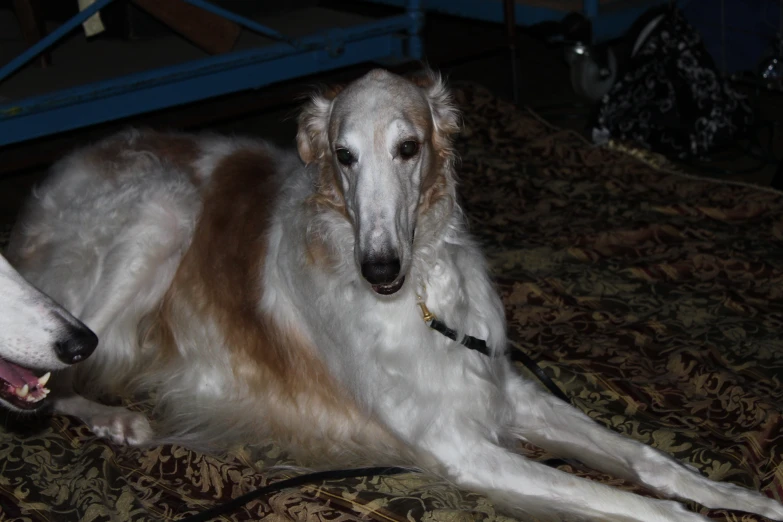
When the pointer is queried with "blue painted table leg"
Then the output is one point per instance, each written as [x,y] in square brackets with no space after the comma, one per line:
[591,8]
[415,12]
[509,15]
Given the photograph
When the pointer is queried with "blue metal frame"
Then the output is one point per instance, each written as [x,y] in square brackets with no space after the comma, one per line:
[606,25]
[391,38]
[51,39]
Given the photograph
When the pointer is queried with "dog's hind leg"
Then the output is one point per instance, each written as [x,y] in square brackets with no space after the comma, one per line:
[114,311]
[133,276]
[546,421]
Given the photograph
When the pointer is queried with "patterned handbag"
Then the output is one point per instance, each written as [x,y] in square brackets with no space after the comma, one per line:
[671,98]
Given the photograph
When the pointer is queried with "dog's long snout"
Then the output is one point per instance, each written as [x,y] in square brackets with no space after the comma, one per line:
[381,270]
[76,345]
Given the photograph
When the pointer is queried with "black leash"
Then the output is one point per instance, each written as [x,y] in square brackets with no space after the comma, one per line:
[302,480]
[480,345]
[468,341]
[516,355]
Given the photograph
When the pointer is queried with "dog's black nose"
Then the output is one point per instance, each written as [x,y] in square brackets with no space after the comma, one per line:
[76,345]
[381,271]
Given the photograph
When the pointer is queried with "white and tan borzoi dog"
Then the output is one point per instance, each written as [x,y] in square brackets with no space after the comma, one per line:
[260,293]
[37,337]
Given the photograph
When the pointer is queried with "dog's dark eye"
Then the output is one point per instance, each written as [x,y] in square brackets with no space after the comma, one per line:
[408,149]
[345,157]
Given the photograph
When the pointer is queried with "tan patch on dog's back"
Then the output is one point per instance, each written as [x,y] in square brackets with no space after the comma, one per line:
[221,272]
[220,279]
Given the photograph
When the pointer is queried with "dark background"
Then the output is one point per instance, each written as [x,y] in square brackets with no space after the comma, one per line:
[464,50]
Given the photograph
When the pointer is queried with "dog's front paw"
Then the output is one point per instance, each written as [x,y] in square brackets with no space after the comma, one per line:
[769,508]
[731,496]
[122,427]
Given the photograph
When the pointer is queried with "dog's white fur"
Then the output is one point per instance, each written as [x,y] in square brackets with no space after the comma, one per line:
[34,330]
[155,239]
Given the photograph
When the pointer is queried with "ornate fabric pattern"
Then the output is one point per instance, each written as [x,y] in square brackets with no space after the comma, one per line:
[654,299]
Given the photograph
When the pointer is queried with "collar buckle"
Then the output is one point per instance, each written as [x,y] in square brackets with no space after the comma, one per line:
[425,312]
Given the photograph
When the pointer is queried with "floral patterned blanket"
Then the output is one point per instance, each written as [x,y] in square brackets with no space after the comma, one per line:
[654,299]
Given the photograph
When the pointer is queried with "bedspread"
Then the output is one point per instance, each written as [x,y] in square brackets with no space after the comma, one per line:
[654,299]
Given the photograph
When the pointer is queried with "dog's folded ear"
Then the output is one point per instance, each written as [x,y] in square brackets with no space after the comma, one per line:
[311,138]
[445,115]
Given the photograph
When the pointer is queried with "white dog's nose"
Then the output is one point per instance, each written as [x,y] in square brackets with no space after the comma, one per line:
[76,345]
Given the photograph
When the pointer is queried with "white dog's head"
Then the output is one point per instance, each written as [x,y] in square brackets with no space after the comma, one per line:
[384,147]
[37,336]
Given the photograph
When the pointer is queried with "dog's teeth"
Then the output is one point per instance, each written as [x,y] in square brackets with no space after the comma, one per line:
[44,379]
[23,391]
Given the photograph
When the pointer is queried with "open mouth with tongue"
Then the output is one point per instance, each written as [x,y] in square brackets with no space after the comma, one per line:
[21,388]
[390,288]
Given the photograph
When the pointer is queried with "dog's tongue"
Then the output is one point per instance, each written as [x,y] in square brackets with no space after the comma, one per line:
[15,375]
